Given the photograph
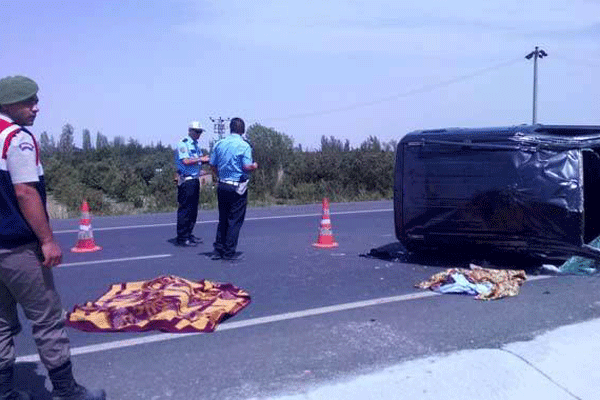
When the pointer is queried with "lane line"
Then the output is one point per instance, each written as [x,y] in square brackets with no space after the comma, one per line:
[236,325]
[115,260]
[114,228]
[119,344]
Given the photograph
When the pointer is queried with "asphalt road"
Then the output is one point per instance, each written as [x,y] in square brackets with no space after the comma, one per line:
[316,315]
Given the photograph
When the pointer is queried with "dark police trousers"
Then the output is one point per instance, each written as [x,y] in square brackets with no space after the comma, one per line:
[188,195]
[232,211]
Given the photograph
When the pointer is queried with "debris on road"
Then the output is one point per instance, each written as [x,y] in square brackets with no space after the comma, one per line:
[485,283]
[390,252]
[581,265]
[167,303]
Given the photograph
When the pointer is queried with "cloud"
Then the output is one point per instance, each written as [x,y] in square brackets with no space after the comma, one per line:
[388,26]
[586,32]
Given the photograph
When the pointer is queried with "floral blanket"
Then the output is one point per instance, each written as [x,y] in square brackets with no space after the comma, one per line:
[167,303]
[488,284]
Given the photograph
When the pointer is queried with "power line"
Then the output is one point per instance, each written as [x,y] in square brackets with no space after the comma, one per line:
[423,89]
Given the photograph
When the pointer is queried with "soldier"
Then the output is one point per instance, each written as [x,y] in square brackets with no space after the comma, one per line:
[28,250]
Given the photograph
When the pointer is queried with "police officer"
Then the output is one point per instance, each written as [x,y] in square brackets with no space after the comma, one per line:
[231,161]
[189,161]
[28,250]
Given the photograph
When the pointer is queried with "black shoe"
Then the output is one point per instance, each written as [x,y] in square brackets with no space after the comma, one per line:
[15,395]
[79,392]
[232,257]
[195,239]
[7,390]
[185,243]
[64,386]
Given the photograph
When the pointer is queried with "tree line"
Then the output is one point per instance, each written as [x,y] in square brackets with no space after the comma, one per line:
[123,176]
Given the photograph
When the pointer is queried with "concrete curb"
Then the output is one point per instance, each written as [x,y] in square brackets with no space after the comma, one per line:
[560,364]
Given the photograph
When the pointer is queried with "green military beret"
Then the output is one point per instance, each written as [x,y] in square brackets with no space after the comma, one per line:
[14,89]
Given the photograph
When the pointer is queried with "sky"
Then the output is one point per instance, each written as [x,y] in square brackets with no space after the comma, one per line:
[348,69]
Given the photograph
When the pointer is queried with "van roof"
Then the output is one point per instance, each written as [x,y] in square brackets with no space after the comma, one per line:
[575,135]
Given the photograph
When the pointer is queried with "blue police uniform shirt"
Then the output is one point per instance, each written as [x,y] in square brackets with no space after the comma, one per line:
[229,156]
[187,148]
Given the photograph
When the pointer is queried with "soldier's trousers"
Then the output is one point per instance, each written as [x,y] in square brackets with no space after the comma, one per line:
[25,281]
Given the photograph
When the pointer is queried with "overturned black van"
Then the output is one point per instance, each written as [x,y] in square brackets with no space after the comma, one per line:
[531,189]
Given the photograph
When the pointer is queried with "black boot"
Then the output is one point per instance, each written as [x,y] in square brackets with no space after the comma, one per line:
[7,386]
[65,387]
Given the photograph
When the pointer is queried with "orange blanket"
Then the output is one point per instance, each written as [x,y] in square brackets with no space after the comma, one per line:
[503,283]
[167,303]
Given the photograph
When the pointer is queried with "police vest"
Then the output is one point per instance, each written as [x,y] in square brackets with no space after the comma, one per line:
[14,230]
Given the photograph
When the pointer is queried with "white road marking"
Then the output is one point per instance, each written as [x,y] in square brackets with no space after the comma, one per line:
[115,260]
[236,325]
[114,228]
[119,344]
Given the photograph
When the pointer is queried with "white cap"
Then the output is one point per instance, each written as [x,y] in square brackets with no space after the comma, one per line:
[196,126]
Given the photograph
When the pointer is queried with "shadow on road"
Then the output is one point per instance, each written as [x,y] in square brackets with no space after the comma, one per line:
[396,252]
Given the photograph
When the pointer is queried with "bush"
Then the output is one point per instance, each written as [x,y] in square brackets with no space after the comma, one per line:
[142,177]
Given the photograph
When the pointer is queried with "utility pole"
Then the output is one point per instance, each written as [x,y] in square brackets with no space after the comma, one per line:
[537,53]
[219,126]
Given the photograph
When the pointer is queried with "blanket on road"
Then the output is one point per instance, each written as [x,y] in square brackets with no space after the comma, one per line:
[167,303]
[486,283]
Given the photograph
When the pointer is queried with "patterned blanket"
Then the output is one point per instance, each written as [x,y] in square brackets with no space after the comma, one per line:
[167,303]
[500,283]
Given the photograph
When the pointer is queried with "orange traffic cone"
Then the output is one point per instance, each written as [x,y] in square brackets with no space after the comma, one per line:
[325,240]
[85,238]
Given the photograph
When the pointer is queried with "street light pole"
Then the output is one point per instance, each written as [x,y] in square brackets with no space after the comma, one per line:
[537,53]
[219,126]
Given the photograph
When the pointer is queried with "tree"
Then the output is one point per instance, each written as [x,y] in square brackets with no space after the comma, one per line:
[101,141]
[118,141]
[371,144]
[47,144]
[65,143]
[331,145]
[134,148]
[87,140]
[390,146]
[273,152]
